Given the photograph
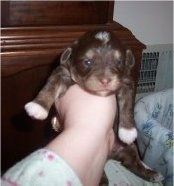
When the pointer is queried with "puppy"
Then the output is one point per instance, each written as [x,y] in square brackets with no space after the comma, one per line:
[101,65]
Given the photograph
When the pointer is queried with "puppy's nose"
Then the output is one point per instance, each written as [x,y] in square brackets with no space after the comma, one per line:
[105,81]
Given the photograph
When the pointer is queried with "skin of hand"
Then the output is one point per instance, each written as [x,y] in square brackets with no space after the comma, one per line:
[88,136]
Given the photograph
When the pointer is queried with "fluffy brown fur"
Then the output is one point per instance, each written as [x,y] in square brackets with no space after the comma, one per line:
[101,65]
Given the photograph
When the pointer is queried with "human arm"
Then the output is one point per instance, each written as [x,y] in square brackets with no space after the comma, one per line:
[88,136]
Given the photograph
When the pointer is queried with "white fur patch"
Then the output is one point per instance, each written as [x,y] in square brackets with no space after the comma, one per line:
[103,36]
[89,54]
[117,54]
[127,135]
[36,111]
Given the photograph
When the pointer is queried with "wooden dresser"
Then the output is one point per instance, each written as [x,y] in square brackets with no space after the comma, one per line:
[33,35]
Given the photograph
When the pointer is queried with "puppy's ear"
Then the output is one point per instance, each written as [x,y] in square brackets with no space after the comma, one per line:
[65,55]
[130,60]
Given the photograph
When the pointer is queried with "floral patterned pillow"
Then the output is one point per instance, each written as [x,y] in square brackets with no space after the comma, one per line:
[154,120]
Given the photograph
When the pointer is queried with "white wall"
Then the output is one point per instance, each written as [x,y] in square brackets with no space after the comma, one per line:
[150,21]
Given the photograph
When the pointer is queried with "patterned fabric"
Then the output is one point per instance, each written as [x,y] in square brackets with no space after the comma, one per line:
[154,120]
[41,168]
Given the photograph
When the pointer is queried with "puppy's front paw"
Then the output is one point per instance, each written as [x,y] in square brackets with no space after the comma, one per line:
[36,111]
[128,136]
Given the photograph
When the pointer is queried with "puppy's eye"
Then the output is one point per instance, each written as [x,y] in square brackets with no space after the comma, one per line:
[88,62]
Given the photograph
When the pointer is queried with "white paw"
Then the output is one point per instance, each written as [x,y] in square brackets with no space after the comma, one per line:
[36,111]
[127,135]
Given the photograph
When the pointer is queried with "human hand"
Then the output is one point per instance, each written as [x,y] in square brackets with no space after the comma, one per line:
[78,108]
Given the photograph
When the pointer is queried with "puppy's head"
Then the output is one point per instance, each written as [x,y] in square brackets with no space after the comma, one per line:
[98,62]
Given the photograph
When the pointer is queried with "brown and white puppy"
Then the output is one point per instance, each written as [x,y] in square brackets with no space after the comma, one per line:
[101,65]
